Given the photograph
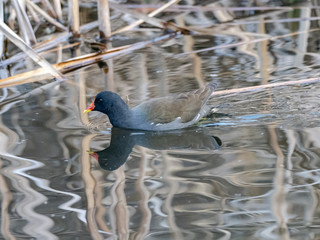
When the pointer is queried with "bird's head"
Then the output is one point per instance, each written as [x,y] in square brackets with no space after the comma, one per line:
[104,102]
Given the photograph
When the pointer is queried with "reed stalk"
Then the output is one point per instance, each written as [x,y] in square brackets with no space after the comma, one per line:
[48,8]
[73,20]
[76,63]
[104,19]
[46,16]
[12,18]
[49,43]
[1,33]
[57,8]
[24,23]
[13,37]
[150,15]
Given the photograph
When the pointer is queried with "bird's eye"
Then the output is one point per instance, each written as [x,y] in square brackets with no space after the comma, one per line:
[100,99]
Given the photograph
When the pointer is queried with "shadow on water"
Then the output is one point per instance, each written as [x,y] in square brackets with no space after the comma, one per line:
[123,141]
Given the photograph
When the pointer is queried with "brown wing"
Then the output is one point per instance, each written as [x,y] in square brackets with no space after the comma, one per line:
[185,105]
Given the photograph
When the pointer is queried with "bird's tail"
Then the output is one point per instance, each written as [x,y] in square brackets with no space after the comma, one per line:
[213,85]
[208,89]
[205,92]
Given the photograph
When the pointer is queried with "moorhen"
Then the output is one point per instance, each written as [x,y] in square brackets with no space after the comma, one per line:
[158,114]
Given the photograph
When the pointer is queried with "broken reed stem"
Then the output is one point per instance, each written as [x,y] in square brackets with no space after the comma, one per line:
[76,63]
[152,14]
[262,87]
[42,46]
[38,48]
[46,16]
[15,39]
[60,47]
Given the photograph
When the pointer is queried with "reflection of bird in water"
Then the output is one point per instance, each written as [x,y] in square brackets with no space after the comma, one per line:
[123,140]
[158,114]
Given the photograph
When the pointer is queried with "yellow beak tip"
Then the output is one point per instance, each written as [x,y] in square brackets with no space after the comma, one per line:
[86,111]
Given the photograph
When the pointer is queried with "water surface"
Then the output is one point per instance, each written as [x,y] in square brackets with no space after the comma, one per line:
[249,172]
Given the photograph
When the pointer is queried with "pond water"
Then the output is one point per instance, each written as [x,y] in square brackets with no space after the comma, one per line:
[251,171]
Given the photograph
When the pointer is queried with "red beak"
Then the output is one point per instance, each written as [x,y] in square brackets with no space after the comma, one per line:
[95,155]
[90,108]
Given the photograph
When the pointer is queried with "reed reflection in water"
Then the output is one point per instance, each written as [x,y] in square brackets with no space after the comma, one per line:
[262,181]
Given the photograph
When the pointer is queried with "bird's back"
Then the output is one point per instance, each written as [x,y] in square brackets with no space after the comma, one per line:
[184,107]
